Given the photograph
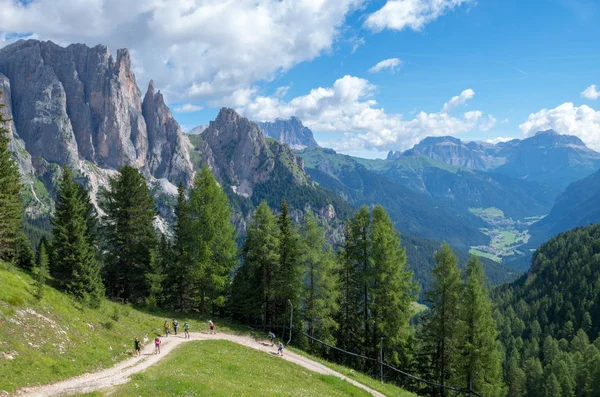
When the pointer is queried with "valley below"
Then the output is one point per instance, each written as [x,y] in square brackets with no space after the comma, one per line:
[507,236]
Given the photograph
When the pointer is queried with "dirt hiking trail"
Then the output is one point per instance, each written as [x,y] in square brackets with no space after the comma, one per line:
[121,372]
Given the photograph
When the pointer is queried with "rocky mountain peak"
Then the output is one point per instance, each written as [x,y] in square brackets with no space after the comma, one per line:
[290,131]
[226,116]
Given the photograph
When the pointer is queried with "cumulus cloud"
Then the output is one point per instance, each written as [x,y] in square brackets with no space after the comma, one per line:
[193,49]
[349,109]
[410,14]
[591,92]
[458,99]
[567,119]
[392,64]
[188,108]
[499,139]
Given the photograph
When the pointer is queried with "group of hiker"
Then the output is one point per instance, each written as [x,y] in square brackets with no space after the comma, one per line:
[137,344]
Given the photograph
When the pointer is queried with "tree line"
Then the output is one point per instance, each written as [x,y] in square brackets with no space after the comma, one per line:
[358,297]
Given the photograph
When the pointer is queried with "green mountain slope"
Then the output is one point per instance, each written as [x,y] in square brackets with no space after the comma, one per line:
[413,212]
[56,338]
[578,205]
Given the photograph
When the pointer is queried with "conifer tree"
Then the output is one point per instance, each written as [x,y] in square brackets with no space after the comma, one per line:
[288,279]
[322,289]
[441,322]
[11,207]
[179,282]
[261,265]
[393,290]
[212,237]
[481,369]
[74,262]
[349,319]
[129,235]
[40,271]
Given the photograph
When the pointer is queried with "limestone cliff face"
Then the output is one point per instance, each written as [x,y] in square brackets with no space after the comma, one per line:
[79,104]
[290,131]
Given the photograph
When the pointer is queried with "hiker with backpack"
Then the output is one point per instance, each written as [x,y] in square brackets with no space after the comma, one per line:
[271,337]
[175,326]
[167,328]
[186,330]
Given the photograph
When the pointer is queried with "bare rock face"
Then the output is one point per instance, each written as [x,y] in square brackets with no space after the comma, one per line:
[168,155]
[237,152]
[290,131]
[79,103]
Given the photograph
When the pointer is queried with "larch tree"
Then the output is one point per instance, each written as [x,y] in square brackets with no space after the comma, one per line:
[393,290]
[40,271]
[442,320]
[322,287]
[213,241]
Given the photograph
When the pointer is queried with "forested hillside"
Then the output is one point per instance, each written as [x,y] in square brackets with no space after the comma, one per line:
[550,319]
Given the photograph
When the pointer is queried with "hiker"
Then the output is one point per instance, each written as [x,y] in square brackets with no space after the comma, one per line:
[280,349]
[175,326]
[271,337]
[186,330]
[137,346]
[157,345]
[212,327]
[167,328]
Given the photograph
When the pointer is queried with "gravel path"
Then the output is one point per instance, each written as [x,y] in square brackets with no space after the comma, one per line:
[121,372]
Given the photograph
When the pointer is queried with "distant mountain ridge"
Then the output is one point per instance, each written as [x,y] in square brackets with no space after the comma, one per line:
[290,131]
[547,157]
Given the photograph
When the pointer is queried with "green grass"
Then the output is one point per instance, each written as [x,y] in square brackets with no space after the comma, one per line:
[56,338]
[388,389]
[491,212]
[485,255]
[223,368]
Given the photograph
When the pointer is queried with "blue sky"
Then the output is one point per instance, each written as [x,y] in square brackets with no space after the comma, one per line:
[521,66]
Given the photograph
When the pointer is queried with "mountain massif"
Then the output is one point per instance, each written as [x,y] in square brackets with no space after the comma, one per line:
[547,157]
[290,131]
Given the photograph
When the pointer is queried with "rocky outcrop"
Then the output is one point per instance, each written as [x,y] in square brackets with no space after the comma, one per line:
[79,103]
[290,131]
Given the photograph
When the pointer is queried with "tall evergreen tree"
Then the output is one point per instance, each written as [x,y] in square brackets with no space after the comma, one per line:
[441,323]
[481,369]
[212,236]
[40,271]
[74,262]
[129,235]
[261,265]
[393,290]
[179,282]
[349,319]
[288,279]
[11,207]
[322,289]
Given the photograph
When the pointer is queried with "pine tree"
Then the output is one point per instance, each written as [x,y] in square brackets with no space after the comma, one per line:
[261,264]
[441,322]
[212,236]
[74,262]
[129,235]
[40,271]
[11,207]
[393,290]
[481,369]
[322,289]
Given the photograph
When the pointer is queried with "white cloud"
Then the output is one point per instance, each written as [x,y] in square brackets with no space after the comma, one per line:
[458,100]
[567,119]
[188,108]
[348,108]
[193,49]
[591,92]
[410,14]
[392,64]
[499,139]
